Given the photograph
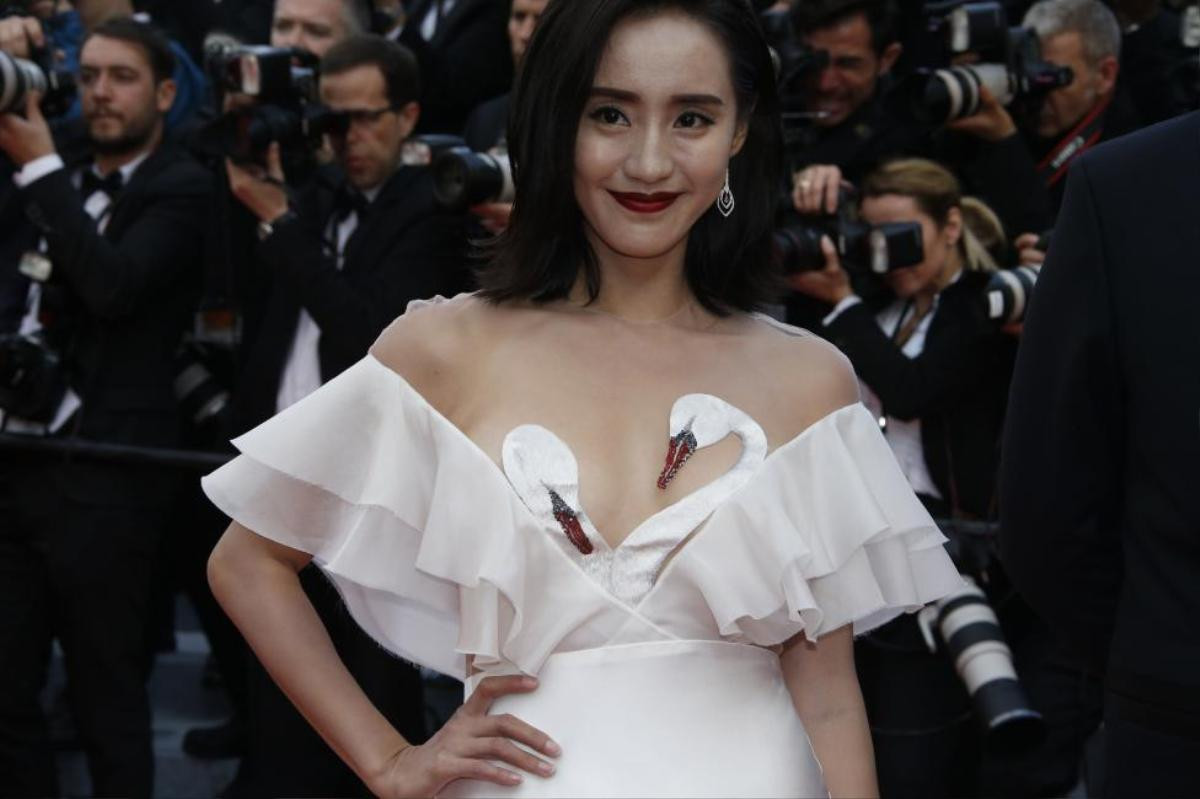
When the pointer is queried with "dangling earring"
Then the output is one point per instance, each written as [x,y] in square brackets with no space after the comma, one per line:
[725,198]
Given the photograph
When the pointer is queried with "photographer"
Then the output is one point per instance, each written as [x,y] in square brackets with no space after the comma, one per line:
[1083,35]
[863,119]
[111,274]
[843,97]
[935,373]
[342,260]
[486,127]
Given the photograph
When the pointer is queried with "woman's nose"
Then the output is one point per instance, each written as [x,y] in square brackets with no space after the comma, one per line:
[651,159]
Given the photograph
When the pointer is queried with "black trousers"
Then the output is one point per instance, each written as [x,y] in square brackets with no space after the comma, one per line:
[1149,751]
[286,757]
[77,550]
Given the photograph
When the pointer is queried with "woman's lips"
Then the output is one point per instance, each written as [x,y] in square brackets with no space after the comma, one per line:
[644,203]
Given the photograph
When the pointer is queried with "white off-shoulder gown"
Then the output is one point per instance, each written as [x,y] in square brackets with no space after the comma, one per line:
[652,659]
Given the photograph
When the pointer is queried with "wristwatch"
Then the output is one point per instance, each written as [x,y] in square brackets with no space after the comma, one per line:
[266,229]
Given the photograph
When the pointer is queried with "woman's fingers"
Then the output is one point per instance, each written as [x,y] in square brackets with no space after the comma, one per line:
[509,726]
[469,768]
[492,688]
[506,751]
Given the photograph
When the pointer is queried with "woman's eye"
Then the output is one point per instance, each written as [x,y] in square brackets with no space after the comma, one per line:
[691,119]
[607,115]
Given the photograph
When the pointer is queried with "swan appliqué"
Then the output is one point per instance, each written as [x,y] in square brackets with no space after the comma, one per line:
[545,474]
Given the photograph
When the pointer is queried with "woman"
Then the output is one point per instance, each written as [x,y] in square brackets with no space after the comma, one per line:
[935,374]
[672,612]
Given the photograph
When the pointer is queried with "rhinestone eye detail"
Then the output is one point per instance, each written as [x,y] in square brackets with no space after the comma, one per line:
[568,520]
[680,449]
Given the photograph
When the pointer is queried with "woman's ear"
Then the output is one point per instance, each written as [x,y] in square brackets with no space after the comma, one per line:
[953,229]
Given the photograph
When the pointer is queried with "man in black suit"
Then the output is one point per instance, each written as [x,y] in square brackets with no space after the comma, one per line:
[342,261]
[1101,524]
[110,275]
[464,55]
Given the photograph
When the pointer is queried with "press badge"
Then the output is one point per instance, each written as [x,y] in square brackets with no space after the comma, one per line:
[35,266]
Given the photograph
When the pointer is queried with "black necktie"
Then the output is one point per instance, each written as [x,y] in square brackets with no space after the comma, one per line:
[92,183]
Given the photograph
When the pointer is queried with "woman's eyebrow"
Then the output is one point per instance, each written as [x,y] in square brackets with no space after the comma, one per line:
[678,99]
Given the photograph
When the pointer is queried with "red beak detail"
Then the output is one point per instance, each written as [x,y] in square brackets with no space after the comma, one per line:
[568,520]
[681,447]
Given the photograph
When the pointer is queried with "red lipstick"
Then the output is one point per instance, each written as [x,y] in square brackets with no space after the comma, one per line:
[644,203]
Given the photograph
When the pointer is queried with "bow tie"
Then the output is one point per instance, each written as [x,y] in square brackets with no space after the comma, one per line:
[92,183]
[350,201]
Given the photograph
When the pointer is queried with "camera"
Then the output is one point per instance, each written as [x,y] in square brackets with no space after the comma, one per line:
[1007,294]
[283,85]
[970,633]
[1011,67]
[463,178]
[32,377]
[19,77]
[862,248]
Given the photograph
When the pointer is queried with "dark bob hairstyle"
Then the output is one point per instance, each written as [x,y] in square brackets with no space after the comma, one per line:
[729,265]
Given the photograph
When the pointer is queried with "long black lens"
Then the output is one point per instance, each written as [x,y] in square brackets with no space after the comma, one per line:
[18,77]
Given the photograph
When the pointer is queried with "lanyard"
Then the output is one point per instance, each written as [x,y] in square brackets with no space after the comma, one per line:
[1054,166]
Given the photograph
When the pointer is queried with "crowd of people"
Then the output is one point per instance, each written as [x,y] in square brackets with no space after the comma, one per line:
[227,202]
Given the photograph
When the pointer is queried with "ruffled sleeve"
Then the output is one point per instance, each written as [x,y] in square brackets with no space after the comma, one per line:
[828,533]
[354,474]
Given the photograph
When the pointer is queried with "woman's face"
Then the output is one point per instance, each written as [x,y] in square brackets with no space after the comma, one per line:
[656,135]
[939,243]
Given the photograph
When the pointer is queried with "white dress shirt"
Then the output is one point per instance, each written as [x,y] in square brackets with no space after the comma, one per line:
[97,205]
[302,372]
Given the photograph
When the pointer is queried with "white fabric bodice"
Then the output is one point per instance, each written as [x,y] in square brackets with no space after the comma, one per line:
[441,553]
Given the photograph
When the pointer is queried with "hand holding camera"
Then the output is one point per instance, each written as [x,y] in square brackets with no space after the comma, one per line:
[21,36]
[815,189]
[26,138]
[260,189]
[830,284]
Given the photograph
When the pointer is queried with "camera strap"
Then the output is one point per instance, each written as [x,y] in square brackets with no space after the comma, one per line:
[1054,166]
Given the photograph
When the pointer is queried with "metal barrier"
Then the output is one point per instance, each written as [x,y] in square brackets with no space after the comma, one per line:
[82,449]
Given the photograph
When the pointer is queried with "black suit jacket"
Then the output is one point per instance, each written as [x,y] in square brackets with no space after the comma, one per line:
[468,61]
[1101,521]
[956,387]
[124,297]
[403,250]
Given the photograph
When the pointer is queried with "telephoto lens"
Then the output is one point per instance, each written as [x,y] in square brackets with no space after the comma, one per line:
[18,77]
[971,634]
[1007,294]
[463,178]
[944,95]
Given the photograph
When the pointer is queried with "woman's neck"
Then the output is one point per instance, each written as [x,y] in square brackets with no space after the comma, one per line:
[637,290]
[950,268]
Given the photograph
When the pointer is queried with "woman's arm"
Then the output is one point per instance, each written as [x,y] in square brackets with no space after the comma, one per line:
[824,688]
[255,580]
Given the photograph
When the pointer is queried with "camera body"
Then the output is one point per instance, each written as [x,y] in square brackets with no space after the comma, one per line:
[282,84]
[863,249]
[1010,65]
[33,377]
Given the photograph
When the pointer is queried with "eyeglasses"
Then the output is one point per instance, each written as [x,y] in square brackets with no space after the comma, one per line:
[337,123]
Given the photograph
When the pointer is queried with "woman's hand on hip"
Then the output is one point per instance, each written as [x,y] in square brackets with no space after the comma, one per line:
[466,746]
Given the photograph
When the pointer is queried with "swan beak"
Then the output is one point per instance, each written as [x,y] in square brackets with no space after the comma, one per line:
[679,449]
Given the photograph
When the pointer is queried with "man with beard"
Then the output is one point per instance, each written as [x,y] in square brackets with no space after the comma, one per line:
[111,274]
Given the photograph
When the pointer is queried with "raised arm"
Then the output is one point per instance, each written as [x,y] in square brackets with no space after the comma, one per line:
[255,580]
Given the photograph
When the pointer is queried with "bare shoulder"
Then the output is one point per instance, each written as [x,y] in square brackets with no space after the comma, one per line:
[810,376]
[437,344]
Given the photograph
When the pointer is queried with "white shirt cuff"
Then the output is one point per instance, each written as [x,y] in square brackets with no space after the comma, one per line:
[848,302]
[37,169]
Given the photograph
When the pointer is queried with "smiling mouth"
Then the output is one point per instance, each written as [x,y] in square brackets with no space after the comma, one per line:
[644,203]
